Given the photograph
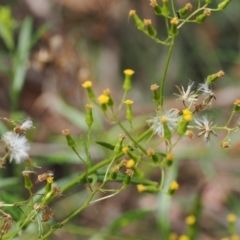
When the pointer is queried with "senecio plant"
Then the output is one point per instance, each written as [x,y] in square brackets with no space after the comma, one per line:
[132,149]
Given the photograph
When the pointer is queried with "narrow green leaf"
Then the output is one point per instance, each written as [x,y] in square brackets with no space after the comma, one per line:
[40,227]
[164,203]
[21,57]
[106,145]
[38,34]
[7,25]
[7,182]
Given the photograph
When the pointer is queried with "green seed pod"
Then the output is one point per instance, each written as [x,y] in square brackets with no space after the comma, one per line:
[110,102]
[127,84]
[46,199]
[138,172]
[118,147]
[165,9]
[91,94]
[182,127]
[127,180]
[151,31]
[167,132]
[174,30]
[137,20]
[71,143]
[213,77]
[236,107]
[113,175]
[168,160]
[208,1]
[104,107]
[182,12]
[89,116]
[158,10]
[28,182]
[223,5]
[174,22]
[48,187]
[151,189]
[129,115]
[201,18]
[155,158]
[134,156]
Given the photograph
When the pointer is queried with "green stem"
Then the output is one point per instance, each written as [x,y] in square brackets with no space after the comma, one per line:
[70,217]
[130,137]
[90,171]
[163,80]
[173,8]
[230,118]
[122,101]
[191,15]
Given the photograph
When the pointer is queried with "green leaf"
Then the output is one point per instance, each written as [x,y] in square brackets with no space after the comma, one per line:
[21,56]
[164,202]
[106,145]
[38,34]
[7,25]
[72,114]
[56,226]
[40,227]
[7,182]
[86,150]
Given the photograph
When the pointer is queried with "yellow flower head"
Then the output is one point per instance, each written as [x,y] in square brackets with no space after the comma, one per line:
[130,163]
[147,22]
[107,92]
[154,87]
[141,188]
[237,102]
[187,115]
[128,72]
[190,220]
[225,144]
[50,179]
[174,21]
[66,132]
[150,152]
[132,13]
[235,237]
[189,6]
[186,111]
[170,156]
[220,74]
[231,218]
[207,12]
[87,84]
[129,172]
[128,102]
[153,3]
[125,150]
[173,236]
[103,99]
[189,134]
[183,237]
[89,106]
[174,185]
[163,119]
